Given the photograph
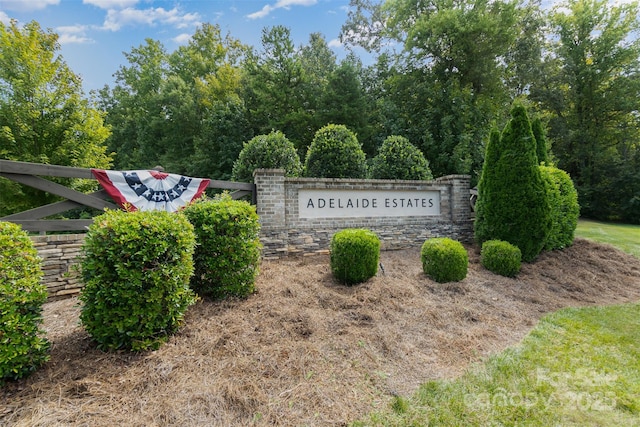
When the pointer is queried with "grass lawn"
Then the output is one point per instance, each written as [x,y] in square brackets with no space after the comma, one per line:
[578,367]
[623,236]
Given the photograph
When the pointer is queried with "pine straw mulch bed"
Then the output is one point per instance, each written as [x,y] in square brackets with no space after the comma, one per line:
[305,350]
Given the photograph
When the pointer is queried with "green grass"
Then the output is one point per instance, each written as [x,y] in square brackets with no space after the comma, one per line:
[623,236]
[578,367]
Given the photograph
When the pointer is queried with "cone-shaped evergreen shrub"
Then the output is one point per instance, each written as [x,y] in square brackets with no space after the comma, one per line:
[354,255]
[136,272]
[272,151]
[563,199]
[398,158]
[541,140]
[501,257]
[335,153]
[227,254]
[23,347]
[512,200]
[444,259]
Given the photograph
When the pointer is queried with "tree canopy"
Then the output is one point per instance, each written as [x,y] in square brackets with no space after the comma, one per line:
[44,116]
[442,74]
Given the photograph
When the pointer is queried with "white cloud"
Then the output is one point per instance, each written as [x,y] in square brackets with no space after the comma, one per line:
[4,18]
[280,4]
[335,43]
[73,34]
[116,19]
[27,5]
[182,38]
[111,4]
[74,39]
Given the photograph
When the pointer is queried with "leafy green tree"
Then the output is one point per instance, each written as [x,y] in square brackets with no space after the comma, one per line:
[335,153]
[590,93]
[343,102]
[272,151]
[44,117]
[133,107]
[274,79]
[448,87]
[399,159]
[182,110]
[512,201]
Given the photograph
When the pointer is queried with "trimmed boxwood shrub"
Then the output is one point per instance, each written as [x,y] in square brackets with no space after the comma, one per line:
[23,347]
[397,158]
[272,151]
[501,257]
[136,271]
[354,255]
[227,257]
[444,259]
[565,210]
[335,153]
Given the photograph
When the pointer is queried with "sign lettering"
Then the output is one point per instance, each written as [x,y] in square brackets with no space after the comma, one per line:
[367,203]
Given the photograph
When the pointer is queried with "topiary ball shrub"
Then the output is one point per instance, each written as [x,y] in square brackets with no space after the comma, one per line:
[23,347]
[398,158]
[501,257]
[355,254]
[335,153]
[136,271]
[444,259]
[272,151]
[227,257]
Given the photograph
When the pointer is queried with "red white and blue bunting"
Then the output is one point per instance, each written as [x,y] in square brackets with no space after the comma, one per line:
[147,190]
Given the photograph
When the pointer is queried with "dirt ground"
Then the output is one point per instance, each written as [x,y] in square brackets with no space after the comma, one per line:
[305,350]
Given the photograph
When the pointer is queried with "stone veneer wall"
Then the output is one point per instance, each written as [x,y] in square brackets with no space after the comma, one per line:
[284,232]
[59,253]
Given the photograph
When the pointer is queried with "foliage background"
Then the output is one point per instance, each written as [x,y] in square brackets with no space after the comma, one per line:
[443,74]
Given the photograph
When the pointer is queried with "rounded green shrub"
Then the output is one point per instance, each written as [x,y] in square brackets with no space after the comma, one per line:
[355,254]
[501,257]
[398,158]
[136,271]
[335,153]
[565,210]
[444,259]
[272,151]
[227,257]
[23,347]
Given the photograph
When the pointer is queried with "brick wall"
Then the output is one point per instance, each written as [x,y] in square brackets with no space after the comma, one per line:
[285,232]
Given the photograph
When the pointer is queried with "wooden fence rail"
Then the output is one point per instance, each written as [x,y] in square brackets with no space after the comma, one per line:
[30,174]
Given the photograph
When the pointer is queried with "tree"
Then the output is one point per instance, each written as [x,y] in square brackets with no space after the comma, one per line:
[399,159]
[182,110]
[591,97]
[449,85]
[274,78]
[512,201]
[343,102]
[44,117]
[335,153]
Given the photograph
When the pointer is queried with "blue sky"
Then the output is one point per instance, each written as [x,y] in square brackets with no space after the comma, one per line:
[95,33]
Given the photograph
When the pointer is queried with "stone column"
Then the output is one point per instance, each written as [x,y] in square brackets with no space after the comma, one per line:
[270,205]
